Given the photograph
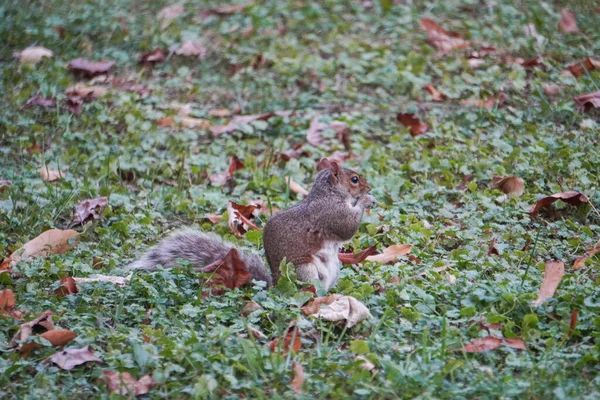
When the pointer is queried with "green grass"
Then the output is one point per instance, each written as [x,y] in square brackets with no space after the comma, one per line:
[349,63]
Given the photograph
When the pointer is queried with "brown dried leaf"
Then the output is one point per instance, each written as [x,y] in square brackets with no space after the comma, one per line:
[295,187]
[342,308]
[67,287]
[441,39]
[551,89]
[74,104]
[226,10]
[220,113]
[567,23]
[573,322]
[123,383]
[51,175]
[490,343]
[350,258]
[587,64]
[87,93]
[42,323]
[291,341]
[168,14]
[238,121]
[240,218]
[391,253]
[52,241]
[68,359]
[298,379]
[314,306]
[230,272]
[221,178]
[88,210]
[435,94]
[7,300]
[44,102]
[314,135]
[191,48]
[90,68]
[580,261]
[33,54]
[155,56]
[552,276]
[589,100]
[488,103]
[510,185]
[214,218]
[569,197]
[533,62]
[59,337]
[410,121]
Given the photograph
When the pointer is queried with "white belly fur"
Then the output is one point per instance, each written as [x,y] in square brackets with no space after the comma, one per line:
[328,264]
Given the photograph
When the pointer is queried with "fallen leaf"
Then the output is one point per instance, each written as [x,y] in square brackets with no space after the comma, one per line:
[33,54]
[410,121]
[250,307]
[88,210]
[256,333]
[168,14]
[86,92]
[296,152]
[341,308]
[570,197]
[510,185]
[291,341]
[74,104]
[587,64]
[589,100]
[68,359]
[52,241]
[435,94]
[226,10]
[41,324]
[90,68]
[298,379]
[51,175]
[220,113]
[155,56]
[391,253]
[44,102]
[314,306]
[567,23]
[551,89]
[240,217]
[117,280]
[533,62]
[580,261]
[230,272]
[552,275]
[190,48]
[221,178]
[67,287]
[238,121]
[295,187]
[573,322]
[8,304]
[441,39]
[214,218]
[490,343]
[314,135]
[366,364]
[59,337]
[488,103]
[187,122]
[123,383]
[350,258]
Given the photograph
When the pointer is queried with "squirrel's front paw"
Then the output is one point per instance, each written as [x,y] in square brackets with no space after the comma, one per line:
[368,201]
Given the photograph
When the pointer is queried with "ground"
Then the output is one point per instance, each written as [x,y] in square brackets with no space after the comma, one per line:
[477,259]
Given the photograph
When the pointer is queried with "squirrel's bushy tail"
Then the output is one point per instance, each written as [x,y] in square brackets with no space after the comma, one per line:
[199,249]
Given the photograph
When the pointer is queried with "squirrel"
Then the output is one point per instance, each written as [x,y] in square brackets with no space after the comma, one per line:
[308,234]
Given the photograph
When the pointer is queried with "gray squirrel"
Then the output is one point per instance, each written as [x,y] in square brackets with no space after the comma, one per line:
[308,234]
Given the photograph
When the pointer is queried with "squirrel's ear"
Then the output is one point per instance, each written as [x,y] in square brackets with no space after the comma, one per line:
[324,163]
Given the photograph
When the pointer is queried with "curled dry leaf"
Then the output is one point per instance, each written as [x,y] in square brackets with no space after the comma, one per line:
[69,358]
[88,210]
[87,93]
[587,64]
[41,324]
[342,308]
[314,306]
[256,333]
[190,48]
[33,54]
[213,218]
[391,253]
[296,152]
[350,258]
[589,100]
[295,186]
[67,287]
[56,337]
[533,62]
[298,379]
[238,121]
[410,121]
[552,276]
[230,272]
[51,175]
[567,23]
[250,307]
[8,304]
[117,280]
[443,40]
[52,241]
[123,383]
[573,322]
[222,178]
[240,218]
[490,343]
[435,94]
[580,261]
[168,14]
[90,68]
[510,185]
[570,197]
[44,102]
[156,56]
[74,104]
[291,341]
[314,135]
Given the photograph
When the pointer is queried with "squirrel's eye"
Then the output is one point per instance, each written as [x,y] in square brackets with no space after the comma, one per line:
[354,179]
